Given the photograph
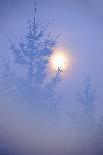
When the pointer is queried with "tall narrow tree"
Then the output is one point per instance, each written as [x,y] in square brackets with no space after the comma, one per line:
[86,98]
[33,55]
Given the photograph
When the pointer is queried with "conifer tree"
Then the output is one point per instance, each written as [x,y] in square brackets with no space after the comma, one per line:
[33,54]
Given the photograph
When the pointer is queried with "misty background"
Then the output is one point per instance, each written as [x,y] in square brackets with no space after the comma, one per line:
[79,23]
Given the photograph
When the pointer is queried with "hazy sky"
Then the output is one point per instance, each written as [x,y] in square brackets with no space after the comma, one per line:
[80,23]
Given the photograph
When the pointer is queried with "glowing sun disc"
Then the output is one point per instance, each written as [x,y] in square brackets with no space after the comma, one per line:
[59,60]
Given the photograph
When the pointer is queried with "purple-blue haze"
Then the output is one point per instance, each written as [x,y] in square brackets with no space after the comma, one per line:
[78,127]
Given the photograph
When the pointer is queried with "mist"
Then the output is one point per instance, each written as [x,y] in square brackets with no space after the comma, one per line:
[44,111]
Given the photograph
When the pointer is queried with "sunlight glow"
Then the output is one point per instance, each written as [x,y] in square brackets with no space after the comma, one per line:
[59,60]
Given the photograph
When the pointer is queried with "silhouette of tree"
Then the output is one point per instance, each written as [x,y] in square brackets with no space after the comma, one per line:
[87,95]
[86,98]
[32,89]
[33,54]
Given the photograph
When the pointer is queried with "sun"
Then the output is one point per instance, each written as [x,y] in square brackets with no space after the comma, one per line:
[59,60]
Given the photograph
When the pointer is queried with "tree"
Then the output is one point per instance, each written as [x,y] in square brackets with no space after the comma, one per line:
[33,55]
[86,98]
[31,88]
